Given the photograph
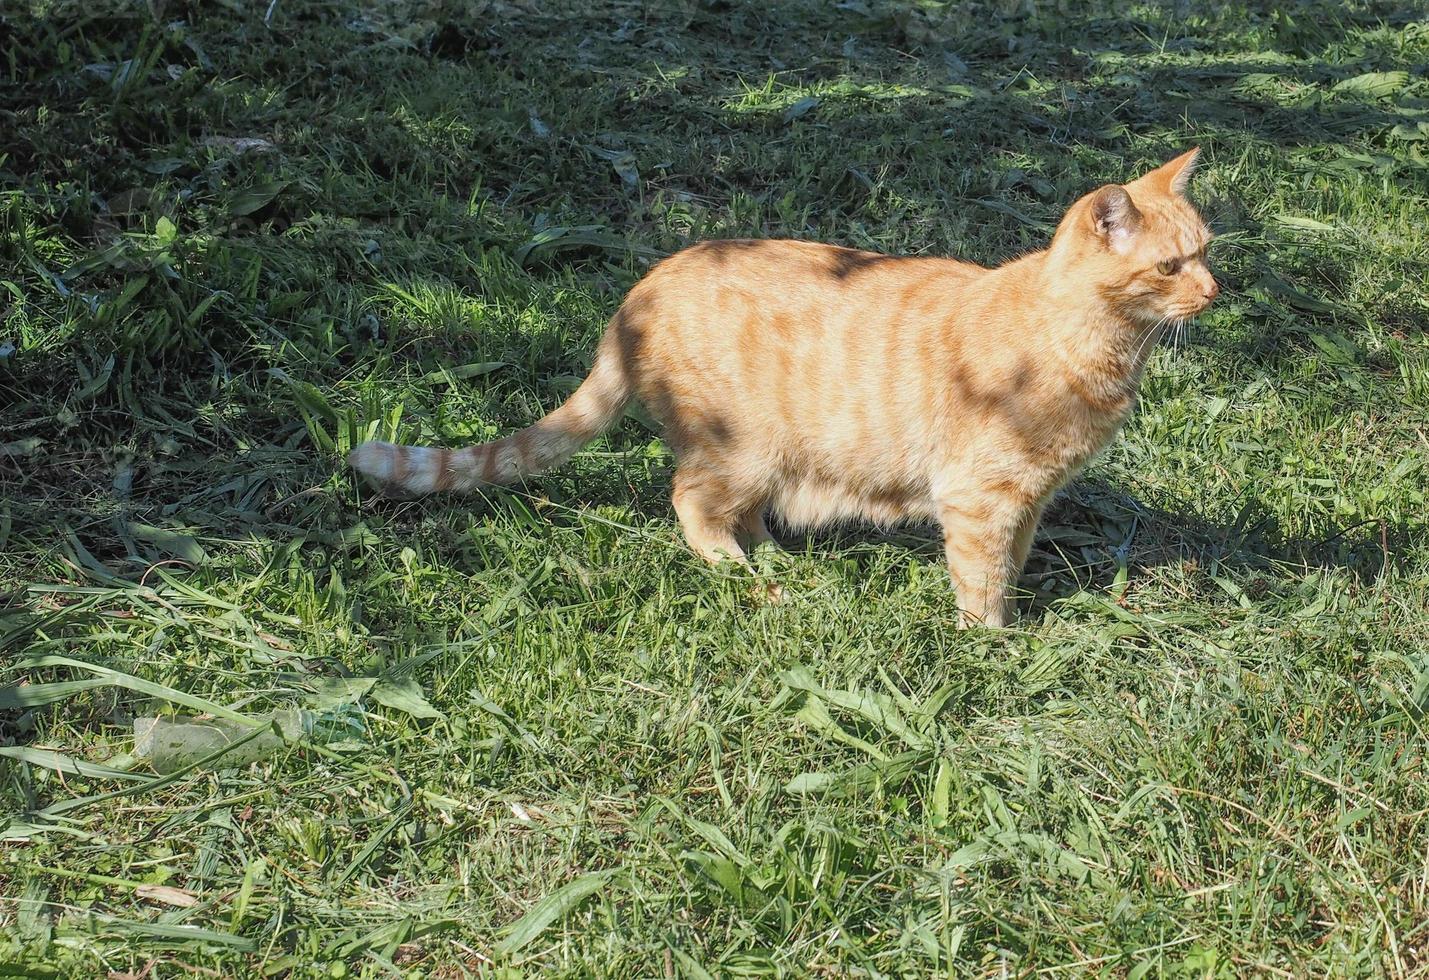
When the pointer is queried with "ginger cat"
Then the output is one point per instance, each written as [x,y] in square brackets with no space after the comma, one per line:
[823,383]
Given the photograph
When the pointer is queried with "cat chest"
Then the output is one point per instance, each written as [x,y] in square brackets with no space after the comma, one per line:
[1057,439]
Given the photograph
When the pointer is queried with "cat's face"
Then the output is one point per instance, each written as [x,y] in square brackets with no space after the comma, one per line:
[1144,245]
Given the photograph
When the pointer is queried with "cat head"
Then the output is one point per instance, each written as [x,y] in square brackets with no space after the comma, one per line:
[1142,245]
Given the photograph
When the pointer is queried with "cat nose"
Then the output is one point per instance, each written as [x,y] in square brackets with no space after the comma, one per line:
[1211,290]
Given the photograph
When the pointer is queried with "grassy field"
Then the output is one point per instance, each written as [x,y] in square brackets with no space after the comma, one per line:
[235,238]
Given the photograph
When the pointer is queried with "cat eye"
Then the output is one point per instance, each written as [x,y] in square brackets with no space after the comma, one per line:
[1168,266]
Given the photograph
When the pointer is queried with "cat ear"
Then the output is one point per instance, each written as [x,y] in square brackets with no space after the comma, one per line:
[1175,174]
[1114,216]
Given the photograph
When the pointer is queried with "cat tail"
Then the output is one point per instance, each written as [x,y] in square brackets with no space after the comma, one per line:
[592,408]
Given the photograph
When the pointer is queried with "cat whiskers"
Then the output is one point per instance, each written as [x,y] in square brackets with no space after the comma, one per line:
[1149,338]
[1178,334]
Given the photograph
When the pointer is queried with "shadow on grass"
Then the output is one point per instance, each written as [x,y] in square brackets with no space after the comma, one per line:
[953,142]
[1092,529]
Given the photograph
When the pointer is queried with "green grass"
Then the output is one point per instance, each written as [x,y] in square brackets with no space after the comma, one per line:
[572,748]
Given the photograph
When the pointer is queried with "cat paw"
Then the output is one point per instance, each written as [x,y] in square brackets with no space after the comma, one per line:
[767,593]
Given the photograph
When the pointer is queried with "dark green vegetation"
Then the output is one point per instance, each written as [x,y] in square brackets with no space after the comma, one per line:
[1200,753]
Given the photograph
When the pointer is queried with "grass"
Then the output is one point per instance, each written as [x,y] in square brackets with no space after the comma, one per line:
[569,748]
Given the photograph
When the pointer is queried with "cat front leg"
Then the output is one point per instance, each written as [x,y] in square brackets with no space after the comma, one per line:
[985,540]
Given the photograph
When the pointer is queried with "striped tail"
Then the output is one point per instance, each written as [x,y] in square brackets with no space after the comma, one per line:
[593,407]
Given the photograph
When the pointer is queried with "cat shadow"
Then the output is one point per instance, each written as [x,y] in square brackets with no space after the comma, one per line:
[1092,531]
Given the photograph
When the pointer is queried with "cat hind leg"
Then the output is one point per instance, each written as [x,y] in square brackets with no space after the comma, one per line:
[707,520]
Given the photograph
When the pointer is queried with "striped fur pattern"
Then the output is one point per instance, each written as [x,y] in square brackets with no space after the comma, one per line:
[820,383]
[410,470]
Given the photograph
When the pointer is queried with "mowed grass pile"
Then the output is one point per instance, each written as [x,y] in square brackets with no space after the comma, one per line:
[235,238]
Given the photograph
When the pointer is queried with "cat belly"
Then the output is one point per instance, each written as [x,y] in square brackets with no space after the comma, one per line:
[812,502]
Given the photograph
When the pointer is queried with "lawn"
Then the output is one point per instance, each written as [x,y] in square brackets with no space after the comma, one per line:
[237,238]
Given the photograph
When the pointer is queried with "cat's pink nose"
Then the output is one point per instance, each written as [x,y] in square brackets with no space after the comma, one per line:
[1212,289]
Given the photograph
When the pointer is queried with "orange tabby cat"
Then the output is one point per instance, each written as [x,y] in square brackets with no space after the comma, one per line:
[823,383]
